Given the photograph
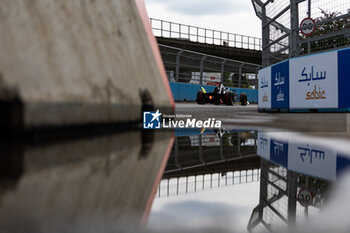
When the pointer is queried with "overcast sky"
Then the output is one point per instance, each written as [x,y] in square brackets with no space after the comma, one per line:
[236,16]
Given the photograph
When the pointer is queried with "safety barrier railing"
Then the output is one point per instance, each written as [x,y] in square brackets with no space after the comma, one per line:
[201,183]
[162,28]
[197,68]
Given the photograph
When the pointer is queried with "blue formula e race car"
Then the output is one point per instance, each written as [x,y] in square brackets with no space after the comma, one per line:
[220,95]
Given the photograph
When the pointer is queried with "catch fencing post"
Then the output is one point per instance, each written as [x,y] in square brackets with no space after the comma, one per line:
[223,70]
[201,69]
[178,64]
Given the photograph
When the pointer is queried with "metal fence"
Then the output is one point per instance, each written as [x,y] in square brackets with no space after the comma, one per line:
[162,28]
[278,208]
[200,183]
[282,35]
[332,26]
[192,67]
[204,161]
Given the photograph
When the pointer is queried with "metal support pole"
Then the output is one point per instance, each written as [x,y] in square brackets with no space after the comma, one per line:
[294,21]
[177,186]
[239,145]
[292,197]
[221,38]
[195,183]
[203,183]
[180,31]
[211,180]
[176,144]
[240,76]
[255,139]
[167,188]
[307,184]
[189,32]
[223,70]
[263,186]
[256,78]
[201,149]
[159,188]
[178,64]
[197,35]
[265,38]
[201,68]
[222,149]
[309,16]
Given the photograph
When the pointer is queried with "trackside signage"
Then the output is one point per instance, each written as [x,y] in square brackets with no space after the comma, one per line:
[280,85]
[309,158]
[265,88]
[312,82]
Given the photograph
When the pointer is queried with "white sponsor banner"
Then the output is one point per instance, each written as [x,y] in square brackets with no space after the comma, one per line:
[311,159]
[264,88]
[314,81]
[263,149]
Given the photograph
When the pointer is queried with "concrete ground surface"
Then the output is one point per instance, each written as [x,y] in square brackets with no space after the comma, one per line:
[248,117]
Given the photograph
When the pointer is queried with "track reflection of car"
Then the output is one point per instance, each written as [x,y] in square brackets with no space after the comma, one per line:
[220,95]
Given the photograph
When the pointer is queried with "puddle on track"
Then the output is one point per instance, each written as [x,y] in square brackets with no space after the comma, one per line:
[177,181]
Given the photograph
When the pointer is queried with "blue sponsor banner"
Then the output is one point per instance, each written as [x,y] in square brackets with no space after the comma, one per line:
[343,163]
[280,85]
[344,78]
[279,152]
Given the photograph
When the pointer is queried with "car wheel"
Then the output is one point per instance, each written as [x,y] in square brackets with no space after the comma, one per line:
[200,97]
[228,98]
[243,99]
[216,99]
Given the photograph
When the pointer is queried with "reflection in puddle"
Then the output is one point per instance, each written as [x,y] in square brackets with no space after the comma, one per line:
[210,181]
[295,174]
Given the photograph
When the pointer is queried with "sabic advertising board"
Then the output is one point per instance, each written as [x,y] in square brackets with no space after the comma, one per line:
[280,85]
[319,81]
[314,81]
[264,88]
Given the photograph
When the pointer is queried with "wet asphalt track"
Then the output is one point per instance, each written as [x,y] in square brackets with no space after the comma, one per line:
[249,117]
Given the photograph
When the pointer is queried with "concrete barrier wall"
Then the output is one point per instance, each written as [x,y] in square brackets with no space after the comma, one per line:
[188,92]
[78,62]
[319,81]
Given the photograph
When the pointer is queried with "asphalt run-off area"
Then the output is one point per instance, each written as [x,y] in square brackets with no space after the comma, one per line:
[249,116]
